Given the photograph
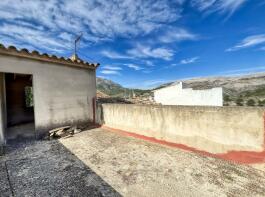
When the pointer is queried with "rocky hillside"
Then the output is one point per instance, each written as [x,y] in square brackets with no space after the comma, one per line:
[248,90]
[240,90]
[116,90]
[109,87]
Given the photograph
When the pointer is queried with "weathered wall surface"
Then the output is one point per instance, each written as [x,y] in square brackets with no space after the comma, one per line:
[176,95]
[62,94]
[2,112]
[212,129]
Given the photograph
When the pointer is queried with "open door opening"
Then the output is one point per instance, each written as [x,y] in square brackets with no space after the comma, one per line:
[19,106]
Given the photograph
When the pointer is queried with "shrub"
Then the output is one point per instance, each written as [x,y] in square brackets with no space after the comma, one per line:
[227,98]
[261,103]
[239,102]
[251,102]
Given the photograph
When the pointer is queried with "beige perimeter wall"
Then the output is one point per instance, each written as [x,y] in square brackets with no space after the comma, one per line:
[212,129]
[62,94]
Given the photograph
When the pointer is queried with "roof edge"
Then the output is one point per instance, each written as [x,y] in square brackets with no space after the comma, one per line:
[35,55]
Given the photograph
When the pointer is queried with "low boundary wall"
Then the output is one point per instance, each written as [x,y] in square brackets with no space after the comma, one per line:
[212,129]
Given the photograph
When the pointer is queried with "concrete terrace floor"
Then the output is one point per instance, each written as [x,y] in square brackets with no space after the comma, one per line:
[98,162]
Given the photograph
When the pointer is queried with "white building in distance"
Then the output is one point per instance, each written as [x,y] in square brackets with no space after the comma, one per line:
[176,95]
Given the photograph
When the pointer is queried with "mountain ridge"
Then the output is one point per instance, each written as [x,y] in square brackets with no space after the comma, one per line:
[114,89]
[238,90]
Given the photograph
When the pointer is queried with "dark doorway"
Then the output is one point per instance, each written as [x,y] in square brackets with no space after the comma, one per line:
[19,105]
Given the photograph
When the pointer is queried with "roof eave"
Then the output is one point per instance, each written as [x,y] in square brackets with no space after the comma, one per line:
[35,55]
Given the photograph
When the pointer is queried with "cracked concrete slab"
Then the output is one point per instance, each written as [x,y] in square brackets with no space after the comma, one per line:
[5,189]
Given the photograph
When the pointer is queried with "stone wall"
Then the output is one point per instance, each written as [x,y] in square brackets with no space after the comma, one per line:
[211,129]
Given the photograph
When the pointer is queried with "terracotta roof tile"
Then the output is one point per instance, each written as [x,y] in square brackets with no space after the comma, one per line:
[35,55]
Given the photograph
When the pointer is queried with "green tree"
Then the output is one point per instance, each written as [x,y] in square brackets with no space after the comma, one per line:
[261,103]
[29,96]
[251,102]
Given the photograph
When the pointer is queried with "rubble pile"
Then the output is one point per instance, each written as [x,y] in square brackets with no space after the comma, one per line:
[66,131]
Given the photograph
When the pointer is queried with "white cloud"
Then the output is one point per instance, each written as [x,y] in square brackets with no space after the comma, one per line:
[99,20]
[149,63]
[189,60]
[114,55]
[244,71]
[141,51]
[133,66]
[147,71]
[177,35]
[172,65]
[32,37]
[123,17]
[203,4]
[154,83]
[108,67]
[250,41]
[51,25]
[110,72]
[223,6]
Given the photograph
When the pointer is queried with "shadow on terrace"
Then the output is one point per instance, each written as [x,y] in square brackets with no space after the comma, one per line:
[47,168]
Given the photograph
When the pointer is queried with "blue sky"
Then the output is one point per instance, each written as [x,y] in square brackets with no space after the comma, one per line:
[143,43]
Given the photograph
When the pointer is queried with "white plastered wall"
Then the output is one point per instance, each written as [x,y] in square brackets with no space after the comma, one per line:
[62,94]
[176,95]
